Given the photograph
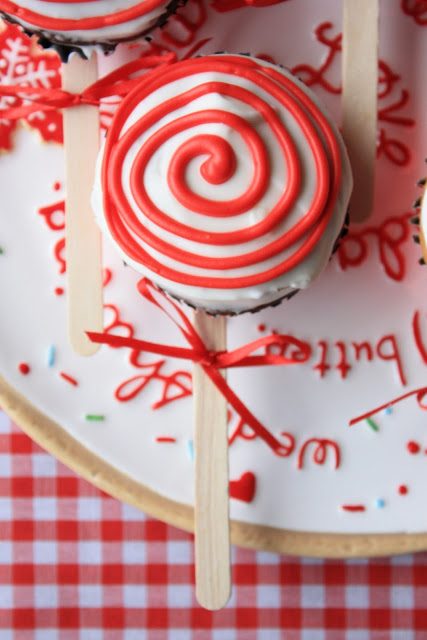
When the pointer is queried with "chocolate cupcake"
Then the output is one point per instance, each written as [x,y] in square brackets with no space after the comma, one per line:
[224,182]
[71,26]
[420,220]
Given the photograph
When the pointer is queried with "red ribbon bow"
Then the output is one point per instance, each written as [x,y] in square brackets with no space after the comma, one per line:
[212,361]
[117,83]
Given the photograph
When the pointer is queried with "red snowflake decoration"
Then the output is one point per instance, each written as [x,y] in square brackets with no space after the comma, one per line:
[25,63]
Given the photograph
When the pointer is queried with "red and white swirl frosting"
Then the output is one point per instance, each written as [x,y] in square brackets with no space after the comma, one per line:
[223,181]
[86,21]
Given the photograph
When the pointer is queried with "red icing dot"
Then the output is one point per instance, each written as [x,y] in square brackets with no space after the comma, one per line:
[24,368]
[403,490]
[261,328]
[59,291]
[56,186]
[413,447]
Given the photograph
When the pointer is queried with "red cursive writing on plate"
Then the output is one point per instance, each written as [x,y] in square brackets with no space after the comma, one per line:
[392,99]
[389,237]
[317,450]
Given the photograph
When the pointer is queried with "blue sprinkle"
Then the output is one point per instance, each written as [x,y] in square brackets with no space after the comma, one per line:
[388,411]
[51,355]
[190,449]
[380,503]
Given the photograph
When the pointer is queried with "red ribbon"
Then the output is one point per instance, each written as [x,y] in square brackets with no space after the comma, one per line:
[117,83]
[420,393]
[211,361]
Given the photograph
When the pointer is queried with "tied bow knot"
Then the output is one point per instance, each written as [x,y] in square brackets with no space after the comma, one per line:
[118,83]
[209,359]
[212,361]
[78,99]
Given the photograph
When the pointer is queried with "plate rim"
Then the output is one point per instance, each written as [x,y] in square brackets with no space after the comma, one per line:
[64,447]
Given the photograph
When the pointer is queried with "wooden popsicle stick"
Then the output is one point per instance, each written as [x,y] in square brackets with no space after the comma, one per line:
[360,99]
[83,238]
[211,519]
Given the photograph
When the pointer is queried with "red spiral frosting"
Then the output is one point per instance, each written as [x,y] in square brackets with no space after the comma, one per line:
[131,220]
[51,23]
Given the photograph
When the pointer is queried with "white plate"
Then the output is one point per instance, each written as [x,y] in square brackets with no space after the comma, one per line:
[373,302]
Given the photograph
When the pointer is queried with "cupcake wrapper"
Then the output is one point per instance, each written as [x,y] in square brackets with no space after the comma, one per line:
[416,220]
[275,303]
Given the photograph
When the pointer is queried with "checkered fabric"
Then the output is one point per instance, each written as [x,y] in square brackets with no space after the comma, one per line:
[76,564]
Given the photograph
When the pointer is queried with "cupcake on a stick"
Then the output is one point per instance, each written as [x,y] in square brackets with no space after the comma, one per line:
[77,29]
[224,182]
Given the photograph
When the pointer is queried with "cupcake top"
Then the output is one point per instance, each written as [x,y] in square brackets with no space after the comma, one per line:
[224,182]
[85,21]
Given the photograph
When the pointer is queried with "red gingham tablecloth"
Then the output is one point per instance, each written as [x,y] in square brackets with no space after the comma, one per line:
[77,564]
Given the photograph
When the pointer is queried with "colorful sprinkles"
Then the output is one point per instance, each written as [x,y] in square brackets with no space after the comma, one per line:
[413,447]
[373,425]
[190,449]
[24,368]
[68,378]
[354,508]
[244,487]
[51,356]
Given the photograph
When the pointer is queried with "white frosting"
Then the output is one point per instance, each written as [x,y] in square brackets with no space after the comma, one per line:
[155,181]
[76,11]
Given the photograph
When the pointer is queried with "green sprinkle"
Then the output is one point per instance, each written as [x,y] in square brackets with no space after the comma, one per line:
[90,417]
[372,424]
[1,251]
